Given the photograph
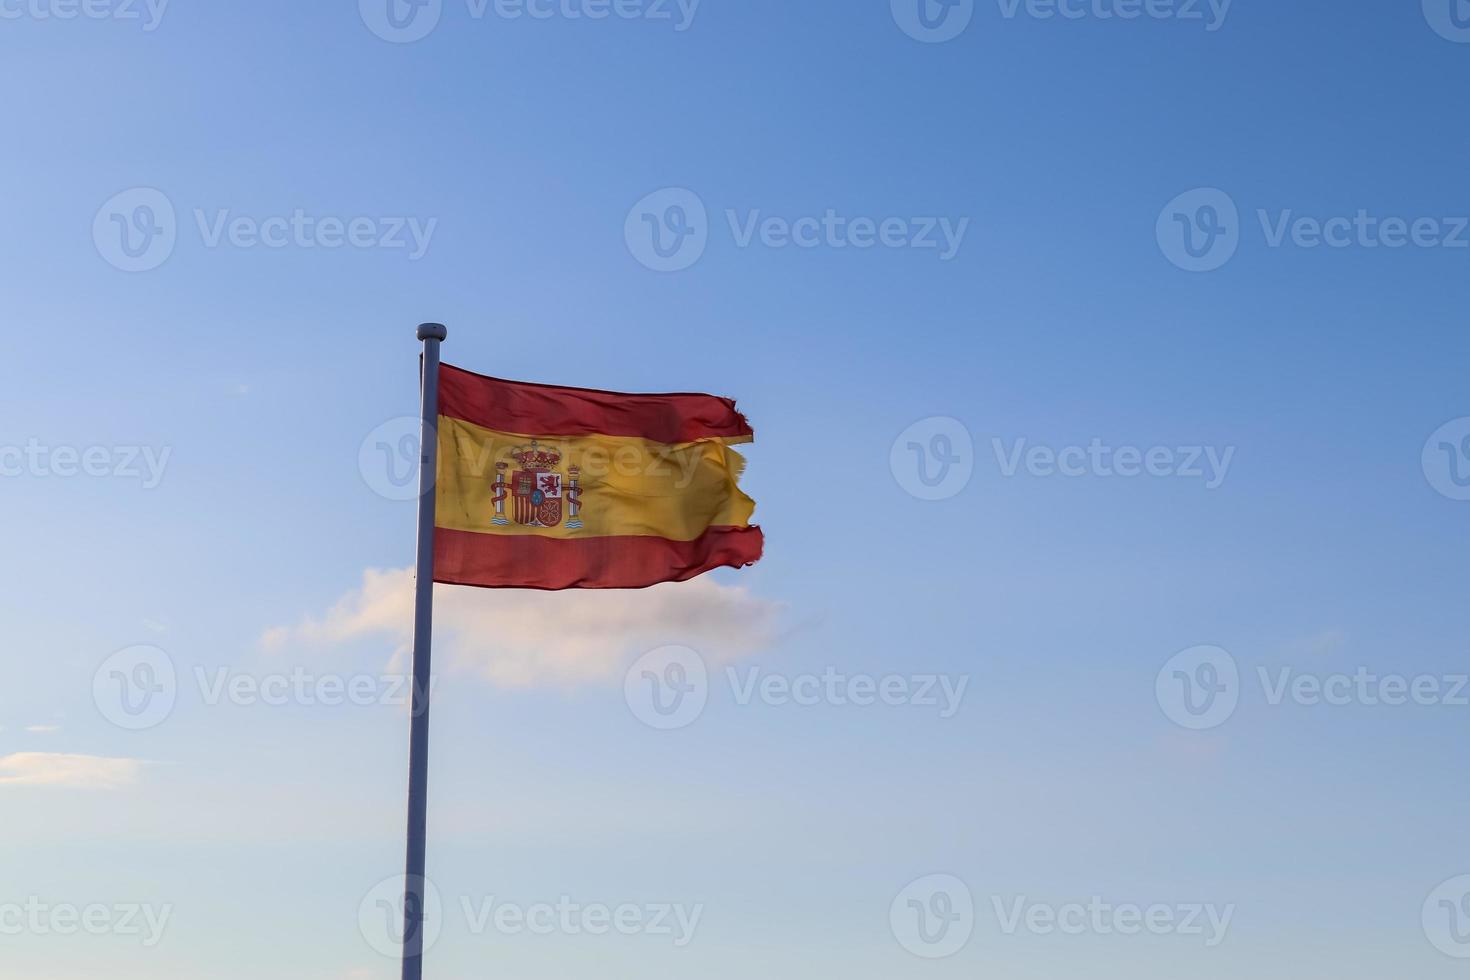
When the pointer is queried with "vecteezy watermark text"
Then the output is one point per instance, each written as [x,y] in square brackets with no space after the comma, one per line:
[669,687]
[833,687]
[304,688]
[145,464]
[1201,687]
[301,230]
[388,459]
[565,917]
[937,21]
[934,917]
[138,229]
[406,21]
[934,459]
[1209,464]
[381,917]
[669,230]
[1200,230]
[1098,917]
[137,688]
[835,231]
[39,918]
[148,13]
[1209,13]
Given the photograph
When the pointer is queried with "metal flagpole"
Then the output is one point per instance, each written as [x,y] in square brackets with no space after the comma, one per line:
[423,615]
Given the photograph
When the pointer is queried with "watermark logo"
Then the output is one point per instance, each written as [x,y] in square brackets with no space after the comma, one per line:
[667,688]
[668,230]
[139,687]
[1199,231]
[136,230]
[1446,918]
[136,687]
[388,459]
[1449,18]
[401,21]
[1199,688]
[934,458]
[1446,459]
[383,924]
[933,916]
[933,21]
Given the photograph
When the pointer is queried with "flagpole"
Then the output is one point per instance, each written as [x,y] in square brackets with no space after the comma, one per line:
[423,615]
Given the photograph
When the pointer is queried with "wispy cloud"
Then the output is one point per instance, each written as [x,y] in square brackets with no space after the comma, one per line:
[68,771]
[518,637]
[43,729]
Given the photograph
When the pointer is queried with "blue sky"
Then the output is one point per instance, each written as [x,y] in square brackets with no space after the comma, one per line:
[1060,152]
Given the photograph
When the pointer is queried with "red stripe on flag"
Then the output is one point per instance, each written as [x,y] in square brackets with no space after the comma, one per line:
[553,410]
[528,561]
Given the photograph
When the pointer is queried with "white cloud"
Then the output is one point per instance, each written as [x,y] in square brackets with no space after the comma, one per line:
[43,729]
[520,637]
[68,771]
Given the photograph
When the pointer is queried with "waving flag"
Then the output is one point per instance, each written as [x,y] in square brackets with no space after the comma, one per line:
[539,487]
[545,487]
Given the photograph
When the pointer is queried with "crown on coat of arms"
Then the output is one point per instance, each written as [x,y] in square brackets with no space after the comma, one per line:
[533,457]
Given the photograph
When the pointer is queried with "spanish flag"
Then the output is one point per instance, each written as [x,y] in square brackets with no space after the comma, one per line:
[546,487]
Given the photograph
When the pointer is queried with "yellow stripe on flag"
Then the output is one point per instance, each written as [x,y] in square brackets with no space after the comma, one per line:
[629,486]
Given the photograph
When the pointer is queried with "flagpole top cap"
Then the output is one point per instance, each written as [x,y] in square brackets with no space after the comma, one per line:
[432,331]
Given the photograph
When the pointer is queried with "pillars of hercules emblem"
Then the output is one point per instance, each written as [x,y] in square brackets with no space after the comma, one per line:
[574,499]
[501,492]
